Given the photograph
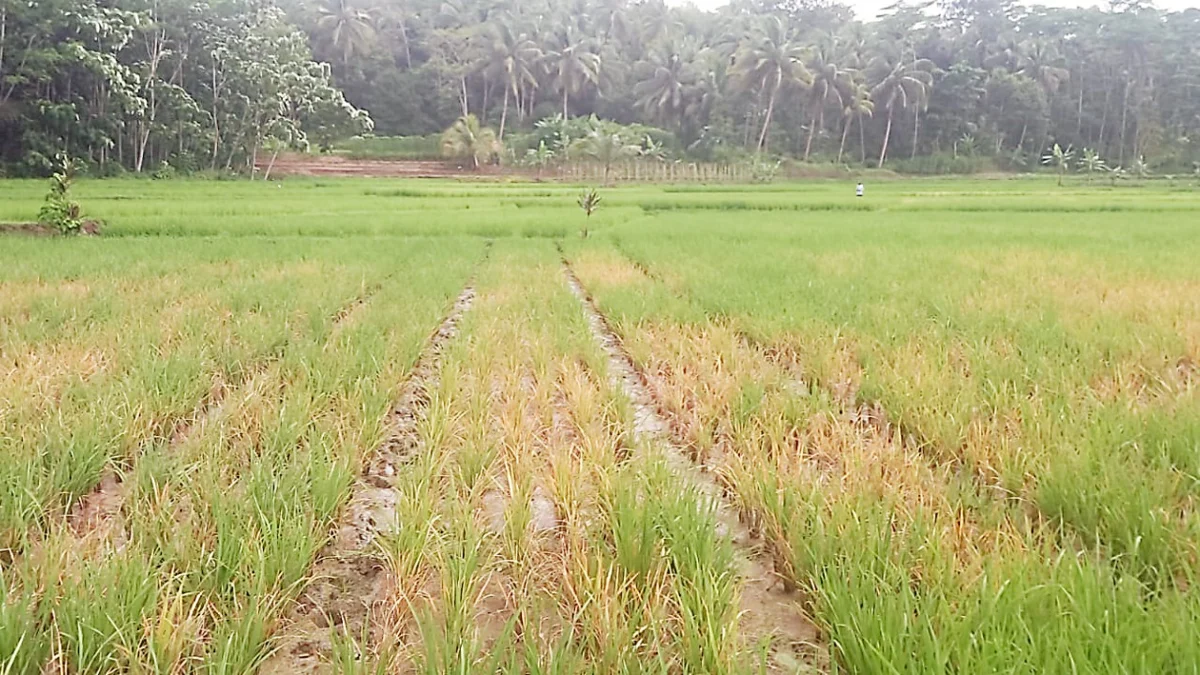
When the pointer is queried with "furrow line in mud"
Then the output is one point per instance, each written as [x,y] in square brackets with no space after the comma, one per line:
[95,515]
[349,580]
[769,611]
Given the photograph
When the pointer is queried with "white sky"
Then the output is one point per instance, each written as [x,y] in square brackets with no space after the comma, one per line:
[868,9]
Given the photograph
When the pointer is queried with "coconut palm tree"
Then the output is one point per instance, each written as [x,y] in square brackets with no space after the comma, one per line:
[857,106]
[667,78]
[573,67]
[511,61]
[612,18]
[899,85]
[393,24]
[656,20]
[704,93]
[348,29]
[1040,62]
[773,61]
[830,84]
[466,138]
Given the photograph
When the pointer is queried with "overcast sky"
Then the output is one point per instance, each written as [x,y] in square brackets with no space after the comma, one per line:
[868,9]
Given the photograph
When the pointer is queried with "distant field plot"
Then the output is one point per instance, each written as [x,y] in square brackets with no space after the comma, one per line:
[388,426]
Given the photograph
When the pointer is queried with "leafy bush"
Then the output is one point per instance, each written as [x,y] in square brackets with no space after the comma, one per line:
[558,134]
[164,172]
[764,171]
[60,212]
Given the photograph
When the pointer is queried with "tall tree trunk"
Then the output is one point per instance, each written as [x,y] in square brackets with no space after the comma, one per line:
[1124,117]
[504,113]
[916,130]
[404,41]
[271,164]
[216,125]
[862,139]
[887,136]
[3,33]
[762,137]
[845,131]
[1104,118]
[1021,140]
[812,128]
[462,81]
[1079,119]
[155,50]
[566,100]
[487,94]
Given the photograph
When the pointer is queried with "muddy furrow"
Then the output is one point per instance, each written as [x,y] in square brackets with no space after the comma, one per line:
[350,583]
[96,516]
[769,612]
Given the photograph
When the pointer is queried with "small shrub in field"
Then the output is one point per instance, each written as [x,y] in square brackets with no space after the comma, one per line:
[589,201]
[60,212]
[764,172]
[164,172]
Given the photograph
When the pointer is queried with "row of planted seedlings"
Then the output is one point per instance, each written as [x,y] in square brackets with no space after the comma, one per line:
[1064,379]
[215,520]
[109,359]
[1071,387]
[534,530]
[909,565]
[1067,381]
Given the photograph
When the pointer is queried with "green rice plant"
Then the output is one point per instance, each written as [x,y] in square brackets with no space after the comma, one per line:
[515,538]
[239,639]
[449,643]
[633,518]
[101,614]
[962,425]
[350,655]
[24,646]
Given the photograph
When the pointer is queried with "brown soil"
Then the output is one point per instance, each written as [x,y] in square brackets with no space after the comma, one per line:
[770,612]
[334,165]
[350,582]
[28,229]
[90,227]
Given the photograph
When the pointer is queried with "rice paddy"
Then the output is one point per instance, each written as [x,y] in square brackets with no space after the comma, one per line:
[385,426]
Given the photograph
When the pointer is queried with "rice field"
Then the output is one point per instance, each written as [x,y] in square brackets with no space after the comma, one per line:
[386,426]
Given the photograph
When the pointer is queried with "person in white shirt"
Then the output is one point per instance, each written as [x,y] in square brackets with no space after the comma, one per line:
[858,191]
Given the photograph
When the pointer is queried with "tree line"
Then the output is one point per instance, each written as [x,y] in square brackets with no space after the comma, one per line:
[160,85]
[214,84]
[959,78]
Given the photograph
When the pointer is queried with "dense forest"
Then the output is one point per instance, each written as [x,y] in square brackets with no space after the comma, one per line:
[167,85]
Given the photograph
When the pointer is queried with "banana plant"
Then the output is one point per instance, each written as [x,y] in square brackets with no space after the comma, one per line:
[1060,159]
[1091,163]
[1141,168]
[539,157]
